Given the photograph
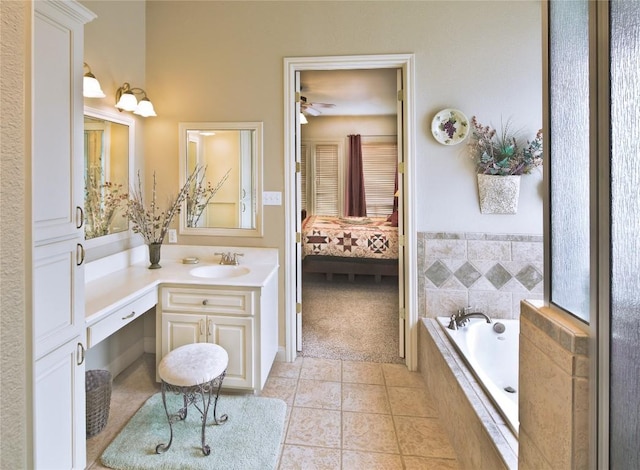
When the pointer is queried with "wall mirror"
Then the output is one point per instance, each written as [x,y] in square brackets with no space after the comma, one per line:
[225,199]
[108,164]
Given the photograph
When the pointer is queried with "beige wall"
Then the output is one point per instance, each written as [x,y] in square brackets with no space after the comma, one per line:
[15,241]
[223,61]
[217,61]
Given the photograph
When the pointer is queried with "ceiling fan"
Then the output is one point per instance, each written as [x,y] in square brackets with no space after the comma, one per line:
[313,108]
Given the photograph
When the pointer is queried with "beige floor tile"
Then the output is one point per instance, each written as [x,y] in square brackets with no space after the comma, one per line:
[314,427]
[365,398]
[368,432]
[425,463]
[423,437]
[362,372]
[354,460]
[290,370]
[318,394]
[321,369]
[411,402]
[397,375]
[309,458]
[280,387]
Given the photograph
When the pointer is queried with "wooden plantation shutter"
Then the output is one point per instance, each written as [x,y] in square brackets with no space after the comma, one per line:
[379,167]
[326,179]
[304,149]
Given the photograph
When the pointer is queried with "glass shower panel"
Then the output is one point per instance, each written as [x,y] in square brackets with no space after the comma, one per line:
[625,234]
[569,155]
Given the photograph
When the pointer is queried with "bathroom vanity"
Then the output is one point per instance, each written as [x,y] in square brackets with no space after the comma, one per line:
[233,306]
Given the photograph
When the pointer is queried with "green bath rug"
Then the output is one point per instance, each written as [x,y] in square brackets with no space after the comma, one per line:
[250,439]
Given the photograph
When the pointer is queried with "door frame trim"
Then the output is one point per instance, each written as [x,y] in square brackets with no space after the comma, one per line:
[406,62]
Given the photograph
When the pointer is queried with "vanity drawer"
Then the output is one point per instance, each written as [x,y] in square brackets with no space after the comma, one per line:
[216,301]
[120,317]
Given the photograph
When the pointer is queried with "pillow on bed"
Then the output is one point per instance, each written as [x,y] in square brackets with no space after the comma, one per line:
[393,218]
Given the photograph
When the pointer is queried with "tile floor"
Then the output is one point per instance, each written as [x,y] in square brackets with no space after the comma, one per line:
[340,415]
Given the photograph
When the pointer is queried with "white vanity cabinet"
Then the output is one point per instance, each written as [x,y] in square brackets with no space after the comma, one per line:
[58,328]
[243,320]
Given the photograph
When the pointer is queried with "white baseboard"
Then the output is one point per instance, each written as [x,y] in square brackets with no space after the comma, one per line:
[280,354]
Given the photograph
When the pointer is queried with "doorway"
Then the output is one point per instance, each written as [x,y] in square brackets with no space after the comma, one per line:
[407,246]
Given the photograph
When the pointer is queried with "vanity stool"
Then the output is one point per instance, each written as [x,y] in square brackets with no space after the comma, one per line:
[196,372]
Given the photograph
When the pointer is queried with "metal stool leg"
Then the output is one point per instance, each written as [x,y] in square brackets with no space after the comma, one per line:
[160,448]
[223,418]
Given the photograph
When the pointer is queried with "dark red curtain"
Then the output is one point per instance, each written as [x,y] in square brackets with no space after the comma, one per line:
[356,203]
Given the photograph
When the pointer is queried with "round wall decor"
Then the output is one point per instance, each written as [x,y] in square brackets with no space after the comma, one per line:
[450,126]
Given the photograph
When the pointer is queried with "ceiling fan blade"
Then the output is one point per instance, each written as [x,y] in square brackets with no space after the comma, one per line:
[323,105]
[312,111]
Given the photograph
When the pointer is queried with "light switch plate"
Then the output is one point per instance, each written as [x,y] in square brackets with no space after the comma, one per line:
[272,198]
[173,236]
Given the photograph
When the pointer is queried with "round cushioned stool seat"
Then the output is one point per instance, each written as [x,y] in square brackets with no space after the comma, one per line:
[193,364]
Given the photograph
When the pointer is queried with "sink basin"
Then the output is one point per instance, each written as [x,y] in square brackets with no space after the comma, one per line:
[219,271]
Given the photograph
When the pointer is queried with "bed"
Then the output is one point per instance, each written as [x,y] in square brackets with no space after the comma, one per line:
[349,245]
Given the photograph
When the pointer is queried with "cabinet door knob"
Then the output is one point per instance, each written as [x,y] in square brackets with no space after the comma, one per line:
[205,302]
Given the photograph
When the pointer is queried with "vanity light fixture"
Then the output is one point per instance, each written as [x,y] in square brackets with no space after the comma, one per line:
[91,85]
[126,101]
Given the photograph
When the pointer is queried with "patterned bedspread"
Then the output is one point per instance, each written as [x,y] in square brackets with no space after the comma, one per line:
[352,237]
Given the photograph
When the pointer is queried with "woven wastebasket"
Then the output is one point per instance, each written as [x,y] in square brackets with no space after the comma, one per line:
[98,400]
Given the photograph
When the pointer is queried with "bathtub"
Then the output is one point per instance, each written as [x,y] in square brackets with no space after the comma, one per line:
[493,359]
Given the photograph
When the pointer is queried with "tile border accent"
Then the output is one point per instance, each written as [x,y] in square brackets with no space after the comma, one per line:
[483,236]
[492,272]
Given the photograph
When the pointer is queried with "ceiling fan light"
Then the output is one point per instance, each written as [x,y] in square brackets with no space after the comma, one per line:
[303,119]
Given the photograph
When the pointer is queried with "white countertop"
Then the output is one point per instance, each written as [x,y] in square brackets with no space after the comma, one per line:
[121,284]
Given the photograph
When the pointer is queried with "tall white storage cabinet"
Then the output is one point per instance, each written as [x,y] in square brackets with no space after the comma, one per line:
[59,333]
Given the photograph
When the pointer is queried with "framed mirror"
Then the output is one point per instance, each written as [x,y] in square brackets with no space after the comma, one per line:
[226,197]
[108,168]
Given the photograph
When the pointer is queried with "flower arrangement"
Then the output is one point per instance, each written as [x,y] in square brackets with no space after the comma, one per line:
[200,193]
[503,153]
[102,201]
[152,223]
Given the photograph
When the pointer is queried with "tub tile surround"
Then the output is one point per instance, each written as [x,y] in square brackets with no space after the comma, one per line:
[479,434]
[554,391]
[488,271]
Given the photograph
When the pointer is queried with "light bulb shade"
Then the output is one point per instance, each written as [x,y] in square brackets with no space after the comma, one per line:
[303,119]
[145,108]
[91,87]
[127,102]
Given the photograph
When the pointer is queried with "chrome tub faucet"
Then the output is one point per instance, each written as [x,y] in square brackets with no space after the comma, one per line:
[461,318]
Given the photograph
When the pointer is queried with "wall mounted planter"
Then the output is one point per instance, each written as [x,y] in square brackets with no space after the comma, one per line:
[498,194]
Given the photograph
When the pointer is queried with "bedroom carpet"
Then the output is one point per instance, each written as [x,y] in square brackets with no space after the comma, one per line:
[249,440]
[351,321]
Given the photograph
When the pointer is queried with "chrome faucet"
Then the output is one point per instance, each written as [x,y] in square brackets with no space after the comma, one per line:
[229,258]
[461,318]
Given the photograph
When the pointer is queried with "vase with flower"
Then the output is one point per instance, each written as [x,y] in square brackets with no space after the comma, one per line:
[152,223]
[500,159]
